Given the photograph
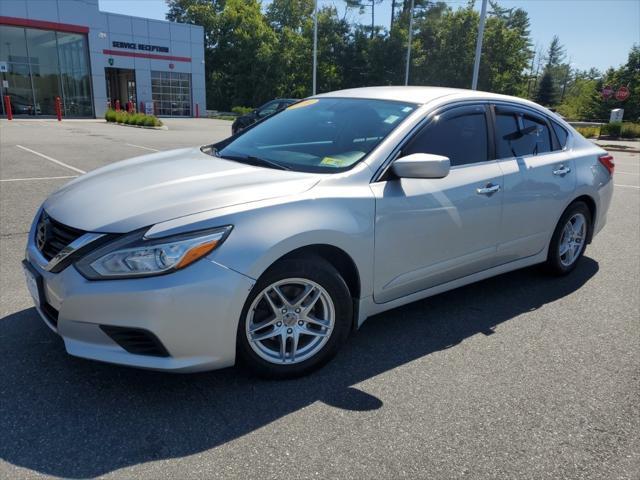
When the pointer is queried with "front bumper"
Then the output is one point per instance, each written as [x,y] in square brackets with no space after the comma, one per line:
[193,313]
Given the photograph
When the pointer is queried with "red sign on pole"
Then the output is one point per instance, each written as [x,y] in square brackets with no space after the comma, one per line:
[607,91]
[622,94]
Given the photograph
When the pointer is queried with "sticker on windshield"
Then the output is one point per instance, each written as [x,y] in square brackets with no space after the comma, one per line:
[303,104]
[345,159]
[334,162]
[391,119]
[407,109]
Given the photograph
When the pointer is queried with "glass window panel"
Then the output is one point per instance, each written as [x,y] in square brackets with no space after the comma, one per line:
[75,77]
[13,47]
[519,135]
[45,75]
[462,138]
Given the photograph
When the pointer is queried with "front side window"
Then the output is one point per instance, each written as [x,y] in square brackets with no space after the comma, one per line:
[460,134]
[519,135]
[318,135]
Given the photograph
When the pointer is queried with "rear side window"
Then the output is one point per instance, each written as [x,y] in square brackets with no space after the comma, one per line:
[460,134]
[561,133]
[518,135]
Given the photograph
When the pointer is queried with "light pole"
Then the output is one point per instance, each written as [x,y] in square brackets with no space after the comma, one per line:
[406,72]
[315,44]
[476,63]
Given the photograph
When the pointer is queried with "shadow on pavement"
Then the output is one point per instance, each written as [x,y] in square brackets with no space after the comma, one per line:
[74,418]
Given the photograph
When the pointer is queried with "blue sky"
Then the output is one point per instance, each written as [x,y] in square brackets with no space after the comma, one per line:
[596,33]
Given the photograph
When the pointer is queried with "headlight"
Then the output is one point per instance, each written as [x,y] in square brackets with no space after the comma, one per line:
[134,256]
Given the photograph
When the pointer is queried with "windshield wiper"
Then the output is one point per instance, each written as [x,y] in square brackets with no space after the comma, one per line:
[258,161]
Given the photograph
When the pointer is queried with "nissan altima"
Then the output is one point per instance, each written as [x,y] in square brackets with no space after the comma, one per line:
[272,246]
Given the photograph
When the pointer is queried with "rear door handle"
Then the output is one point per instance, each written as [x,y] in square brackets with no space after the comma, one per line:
[489,190]
[561,171]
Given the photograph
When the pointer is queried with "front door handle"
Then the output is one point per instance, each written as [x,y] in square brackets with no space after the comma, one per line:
[561,171]
[489,190]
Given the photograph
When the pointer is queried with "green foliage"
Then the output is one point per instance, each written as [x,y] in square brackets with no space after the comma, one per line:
[621,129]
[630,130]
[110,115]
[583,98]
[589,132]
[242,110]
[257,50]
[132,118]
[612,129]
[253,55]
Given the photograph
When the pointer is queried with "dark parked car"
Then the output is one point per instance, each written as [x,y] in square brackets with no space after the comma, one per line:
[259,113]
[23,106]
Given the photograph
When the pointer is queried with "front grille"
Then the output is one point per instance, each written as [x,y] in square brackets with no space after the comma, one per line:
[52,236]
[136,340]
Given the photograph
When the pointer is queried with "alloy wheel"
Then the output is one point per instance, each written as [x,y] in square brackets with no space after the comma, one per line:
[572,239]
[290,321]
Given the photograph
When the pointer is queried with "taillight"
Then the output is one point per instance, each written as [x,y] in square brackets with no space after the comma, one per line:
[607,162]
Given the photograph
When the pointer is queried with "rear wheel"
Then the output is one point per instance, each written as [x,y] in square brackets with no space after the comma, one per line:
[296,318]
[569,239]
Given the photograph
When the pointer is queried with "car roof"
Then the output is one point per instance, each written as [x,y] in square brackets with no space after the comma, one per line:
[419,95]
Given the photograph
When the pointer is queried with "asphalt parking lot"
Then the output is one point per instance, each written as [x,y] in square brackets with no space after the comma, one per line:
[520,376]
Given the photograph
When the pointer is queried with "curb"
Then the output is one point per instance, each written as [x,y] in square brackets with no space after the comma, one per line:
[624,150]
[163,127]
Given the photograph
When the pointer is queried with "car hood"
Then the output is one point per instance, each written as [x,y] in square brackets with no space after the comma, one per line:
[162,186]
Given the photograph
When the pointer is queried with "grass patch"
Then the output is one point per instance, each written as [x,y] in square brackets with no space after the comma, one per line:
[589,132]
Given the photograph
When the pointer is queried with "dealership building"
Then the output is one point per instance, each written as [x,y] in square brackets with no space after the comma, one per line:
[92,60]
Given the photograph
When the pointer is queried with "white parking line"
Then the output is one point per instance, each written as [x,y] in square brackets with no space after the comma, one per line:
[627,173]
[36,178]
[144,148]
[46,157]
[627,186]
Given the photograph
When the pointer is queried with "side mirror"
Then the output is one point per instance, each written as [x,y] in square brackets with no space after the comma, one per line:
[422,165]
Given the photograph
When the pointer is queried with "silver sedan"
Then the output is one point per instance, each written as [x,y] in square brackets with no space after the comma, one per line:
[273,245]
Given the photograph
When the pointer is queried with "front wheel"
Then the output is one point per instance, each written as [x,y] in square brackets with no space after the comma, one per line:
[569,239]
[295,319]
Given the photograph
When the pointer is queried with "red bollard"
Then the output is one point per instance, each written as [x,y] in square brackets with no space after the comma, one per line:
[129,106]
[58,109]
[7,106]
[117,105]
[197,111]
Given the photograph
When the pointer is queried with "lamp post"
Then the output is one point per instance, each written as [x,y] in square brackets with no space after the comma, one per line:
[476,63]
[315,44]
[406,71]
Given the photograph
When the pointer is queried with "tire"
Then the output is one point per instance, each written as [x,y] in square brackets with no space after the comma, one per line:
[314,323]
[568,244]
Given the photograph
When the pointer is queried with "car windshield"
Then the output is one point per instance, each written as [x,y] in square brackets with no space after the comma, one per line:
[318,135]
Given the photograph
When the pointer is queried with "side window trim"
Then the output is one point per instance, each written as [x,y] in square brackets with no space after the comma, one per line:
[382,173]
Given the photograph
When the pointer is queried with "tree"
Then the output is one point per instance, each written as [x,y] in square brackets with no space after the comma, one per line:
[546,91]
[555,53]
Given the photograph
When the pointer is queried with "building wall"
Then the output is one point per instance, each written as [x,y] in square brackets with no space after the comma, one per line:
[185,43]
